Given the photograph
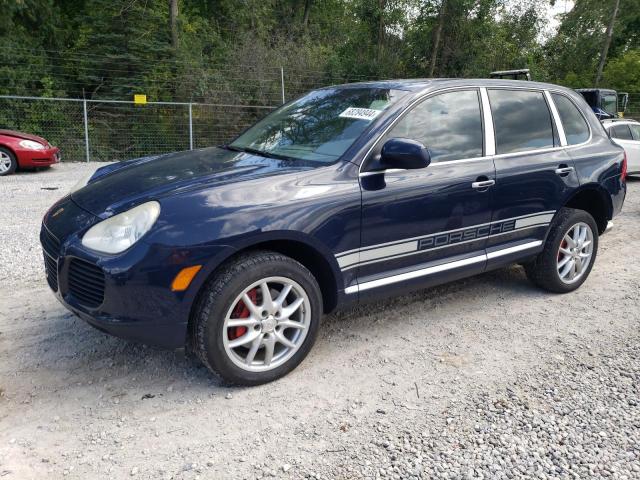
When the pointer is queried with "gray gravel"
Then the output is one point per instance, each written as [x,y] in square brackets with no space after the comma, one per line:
[26,196]
[482,378]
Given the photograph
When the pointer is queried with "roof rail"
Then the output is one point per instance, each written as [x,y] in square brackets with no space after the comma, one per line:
[514,74]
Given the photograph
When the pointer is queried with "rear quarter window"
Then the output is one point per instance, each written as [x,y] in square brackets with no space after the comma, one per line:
[522,120]
[575,126]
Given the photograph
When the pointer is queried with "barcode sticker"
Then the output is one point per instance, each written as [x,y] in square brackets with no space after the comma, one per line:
[360,113]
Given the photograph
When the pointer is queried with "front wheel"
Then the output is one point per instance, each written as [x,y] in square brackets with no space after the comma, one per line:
[257,318]
[569,252]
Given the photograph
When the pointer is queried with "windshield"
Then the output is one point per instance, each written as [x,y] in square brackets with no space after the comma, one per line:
[610,103]
[319,126]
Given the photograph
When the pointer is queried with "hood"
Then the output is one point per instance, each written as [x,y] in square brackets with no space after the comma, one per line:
[24,136]
[118,187]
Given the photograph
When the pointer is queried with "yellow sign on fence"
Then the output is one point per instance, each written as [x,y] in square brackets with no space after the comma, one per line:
[139,99]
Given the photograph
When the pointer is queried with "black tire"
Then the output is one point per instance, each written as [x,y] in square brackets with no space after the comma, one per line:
[12,158]
[543,270]
[217,298]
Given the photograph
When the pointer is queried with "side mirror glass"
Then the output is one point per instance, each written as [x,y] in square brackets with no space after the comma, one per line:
[403,153]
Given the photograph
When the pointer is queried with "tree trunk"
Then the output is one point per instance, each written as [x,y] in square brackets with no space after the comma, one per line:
[173,20]
[381,5]
[607,42]
[436,39]
[307,10]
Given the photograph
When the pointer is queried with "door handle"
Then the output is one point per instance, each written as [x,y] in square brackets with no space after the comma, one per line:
[564,170]
[483,184]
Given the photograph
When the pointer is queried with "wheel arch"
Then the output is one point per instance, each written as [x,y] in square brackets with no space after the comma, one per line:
[316,257]
[13,152]
[595,200]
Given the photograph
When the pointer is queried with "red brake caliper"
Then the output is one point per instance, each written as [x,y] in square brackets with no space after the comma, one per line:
[562,245]
[241,311]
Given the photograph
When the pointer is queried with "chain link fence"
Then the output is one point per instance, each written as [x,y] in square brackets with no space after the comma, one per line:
[108,130]
[633,109]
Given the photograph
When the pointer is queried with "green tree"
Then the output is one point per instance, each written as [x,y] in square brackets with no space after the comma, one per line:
[623,72]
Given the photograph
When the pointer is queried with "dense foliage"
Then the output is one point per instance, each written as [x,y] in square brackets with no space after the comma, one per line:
[232,50]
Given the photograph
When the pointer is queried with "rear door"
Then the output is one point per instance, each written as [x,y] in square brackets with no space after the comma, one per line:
[534,173]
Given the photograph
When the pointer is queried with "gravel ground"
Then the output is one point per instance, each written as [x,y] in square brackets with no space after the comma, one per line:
[482,378]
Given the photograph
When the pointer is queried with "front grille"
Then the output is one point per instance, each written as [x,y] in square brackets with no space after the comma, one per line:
[86,283]
[50,243]
[51,268]
[51,248]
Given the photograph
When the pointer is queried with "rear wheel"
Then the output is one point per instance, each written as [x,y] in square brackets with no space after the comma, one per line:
[257,319]
[8,162]
[569,252]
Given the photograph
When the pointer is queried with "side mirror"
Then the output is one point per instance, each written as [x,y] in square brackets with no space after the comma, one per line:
[403,153]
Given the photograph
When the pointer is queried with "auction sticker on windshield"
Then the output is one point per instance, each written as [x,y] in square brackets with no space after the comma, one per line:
[360,113]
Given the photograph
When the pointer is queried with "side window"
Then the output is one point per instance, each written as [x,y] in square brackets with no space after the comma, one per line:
[575,126]
[521,119]
[621,132]
[448,124]
[635,131]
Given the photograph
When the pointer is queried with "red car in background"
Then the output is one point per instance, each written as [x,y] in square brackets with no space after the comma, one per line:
[25,151]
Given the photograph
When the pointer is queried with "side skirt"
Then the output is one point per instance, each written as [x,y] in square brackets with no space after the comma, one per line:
[510,254]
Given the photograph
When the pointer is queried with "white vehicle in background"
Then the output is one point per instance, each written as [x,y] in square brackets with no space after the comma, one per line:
[626,133]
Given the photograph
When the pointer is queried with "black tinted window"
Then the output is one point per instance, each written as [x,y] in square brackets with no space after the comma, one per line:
[575,126]
[621,132]
[635,131]
[521,119]
[449,125]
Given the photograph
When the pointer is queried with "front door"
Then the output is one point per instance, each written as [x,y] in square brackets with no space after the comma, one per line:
[426,226]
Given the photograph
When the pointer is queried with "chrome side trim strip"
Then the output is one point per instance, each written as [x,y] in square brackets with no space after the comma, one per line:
[510,250]
[556,118]
[489,133]
[423,272]
[381,172]
[431,165]
[351,289]
[420,273]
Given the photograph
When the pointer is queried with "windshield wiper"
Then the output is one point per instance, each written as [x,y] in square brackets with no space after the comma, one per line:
[262,153]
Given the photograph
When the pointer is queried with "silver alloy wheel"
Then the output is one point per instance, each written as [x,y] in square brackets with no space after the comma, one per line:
[5,162]
[575,253]
[266,324]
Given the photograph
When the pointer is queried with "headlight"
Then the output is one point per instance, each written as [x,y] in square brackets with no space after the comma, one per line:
[31,145]
[116,234]
[82,182]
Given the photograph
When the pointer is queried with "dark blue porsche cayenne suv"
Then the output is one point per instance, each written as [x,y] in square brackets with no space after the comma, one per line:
[345,194]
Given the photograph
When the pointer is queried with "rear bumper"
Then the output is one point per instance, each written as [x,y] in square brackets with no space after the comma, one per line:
[38,158]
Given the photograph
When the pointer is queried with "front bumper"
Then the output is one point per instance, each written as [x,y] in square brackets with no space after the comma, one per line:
[126,295]
[38,158]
